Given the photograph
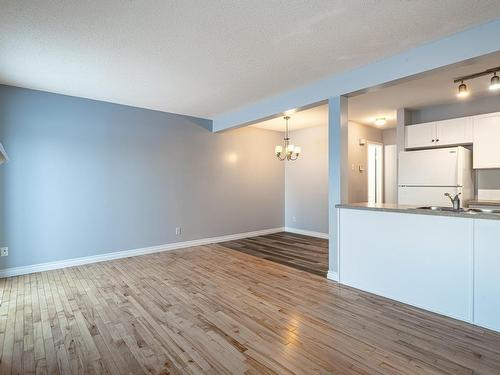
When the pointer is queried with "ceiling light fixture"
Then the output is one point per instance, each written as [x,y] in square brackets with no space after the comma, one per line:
[462,90]
[380,121]
[287,151]
[495,82]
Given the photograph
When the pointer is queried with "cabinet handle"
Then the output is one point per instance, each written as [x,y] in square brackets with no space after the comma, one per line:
[437,140]
[433,140]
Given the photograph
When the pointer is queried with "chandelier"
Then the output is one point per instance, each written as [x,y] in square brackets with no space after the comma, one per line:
[287,151]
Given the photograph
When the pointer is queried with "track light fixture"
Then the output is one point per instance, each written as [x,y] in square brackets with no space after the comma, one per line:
[494,82]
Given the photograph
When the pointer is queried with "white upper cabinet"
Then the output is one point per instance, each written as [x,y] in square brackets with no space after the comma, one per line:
[457,131]
[421,135]
[486,141]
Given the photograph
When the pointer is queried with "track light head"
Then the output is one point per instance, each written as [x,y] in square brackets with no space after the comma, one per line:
[495,83]
[462,90]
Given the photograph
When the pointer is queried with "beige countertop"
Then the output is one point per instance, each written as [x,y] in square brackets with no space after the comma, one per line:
[389,207]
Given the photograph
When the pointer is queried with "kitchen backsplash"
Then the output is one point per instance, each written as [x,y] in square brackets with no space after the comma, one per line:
[488,184]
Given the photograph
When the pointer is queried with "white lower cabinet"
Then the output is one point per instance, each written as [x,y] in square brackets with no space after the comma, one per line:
[487,273]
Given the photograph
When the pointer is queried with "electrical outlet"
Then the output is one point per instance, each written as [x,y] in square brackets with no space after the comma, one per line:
[4,251]
[294,219]
[178,231]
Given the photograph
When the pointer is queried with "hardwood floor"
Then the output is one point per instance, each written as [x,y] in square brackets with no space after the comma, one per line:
[295,250]
[214,310]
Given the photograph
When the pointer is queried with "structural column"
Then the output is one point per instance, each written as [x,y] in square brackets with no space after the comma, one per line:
[338,173]
[404,117]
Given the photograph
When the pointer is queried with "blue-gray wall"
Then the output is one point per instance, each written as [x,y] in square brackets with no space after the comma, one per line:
[474,106]
[306,181]
[88,177]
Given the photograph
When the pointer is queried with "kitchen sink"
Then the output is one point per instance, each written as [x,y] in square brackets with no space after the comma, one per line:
[463,210]
[485,210]
[436,208]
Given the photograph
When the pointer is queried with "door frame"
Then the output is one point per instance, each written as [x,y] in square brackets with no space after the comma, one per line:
[380,162]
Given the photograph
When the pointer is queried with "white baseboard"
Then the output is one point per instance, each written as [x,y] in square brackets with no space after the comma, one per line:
[16,271]
[332,275]
[306,232]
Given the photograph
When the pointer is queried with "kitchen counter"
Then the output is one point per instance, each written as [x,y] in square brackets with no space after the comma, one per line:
[441,261]
[389,207]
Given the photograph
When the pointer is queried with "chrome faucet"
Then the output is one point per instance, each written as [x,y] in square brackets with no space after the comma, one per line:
[455,201]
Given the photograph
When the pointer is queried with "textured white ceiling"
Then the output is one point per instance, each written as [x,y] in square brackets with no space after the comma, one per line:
[432,88]
[309,118]
[207,57]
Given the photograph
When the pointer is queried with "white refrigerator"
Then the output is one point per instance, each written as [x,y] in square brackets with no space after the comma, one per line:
[425,176]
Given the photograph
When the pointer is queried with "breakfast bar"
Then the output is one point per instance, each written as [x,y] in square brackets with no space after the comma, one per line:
[434,258]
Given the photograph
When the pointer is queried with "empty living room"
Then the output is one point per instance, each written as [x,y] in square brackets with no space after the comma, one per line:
[250,187]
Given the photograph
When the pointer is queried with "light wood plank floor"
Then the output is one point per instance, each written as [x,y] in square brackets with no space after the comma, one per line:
[295,250]
[213,310]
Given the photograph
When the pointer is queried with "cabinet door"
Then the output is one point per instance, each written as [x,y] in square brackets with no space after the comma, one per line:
[487,141]
[486,273]
[455,131]
[421,135]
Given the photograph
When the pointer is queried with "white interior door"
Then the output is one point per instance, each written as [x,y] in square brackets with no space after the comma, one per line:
[375,173]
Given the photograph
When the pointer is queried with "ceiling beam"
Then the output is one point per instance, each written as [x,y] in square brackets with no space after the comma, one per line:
[468,44]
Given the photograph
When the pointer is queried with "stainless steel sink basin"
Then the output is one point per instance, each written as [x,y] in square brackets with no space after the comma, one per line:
[463,210]
[436,208]
[485,210]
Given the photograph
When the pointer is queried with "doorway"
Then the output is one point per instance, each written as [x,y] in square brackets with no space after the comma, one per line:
[375,172]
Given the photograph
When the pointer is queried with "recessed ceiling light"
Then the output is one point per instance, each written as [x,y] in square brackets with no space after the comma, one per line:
[495,82]
[379,121]
[462,90]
